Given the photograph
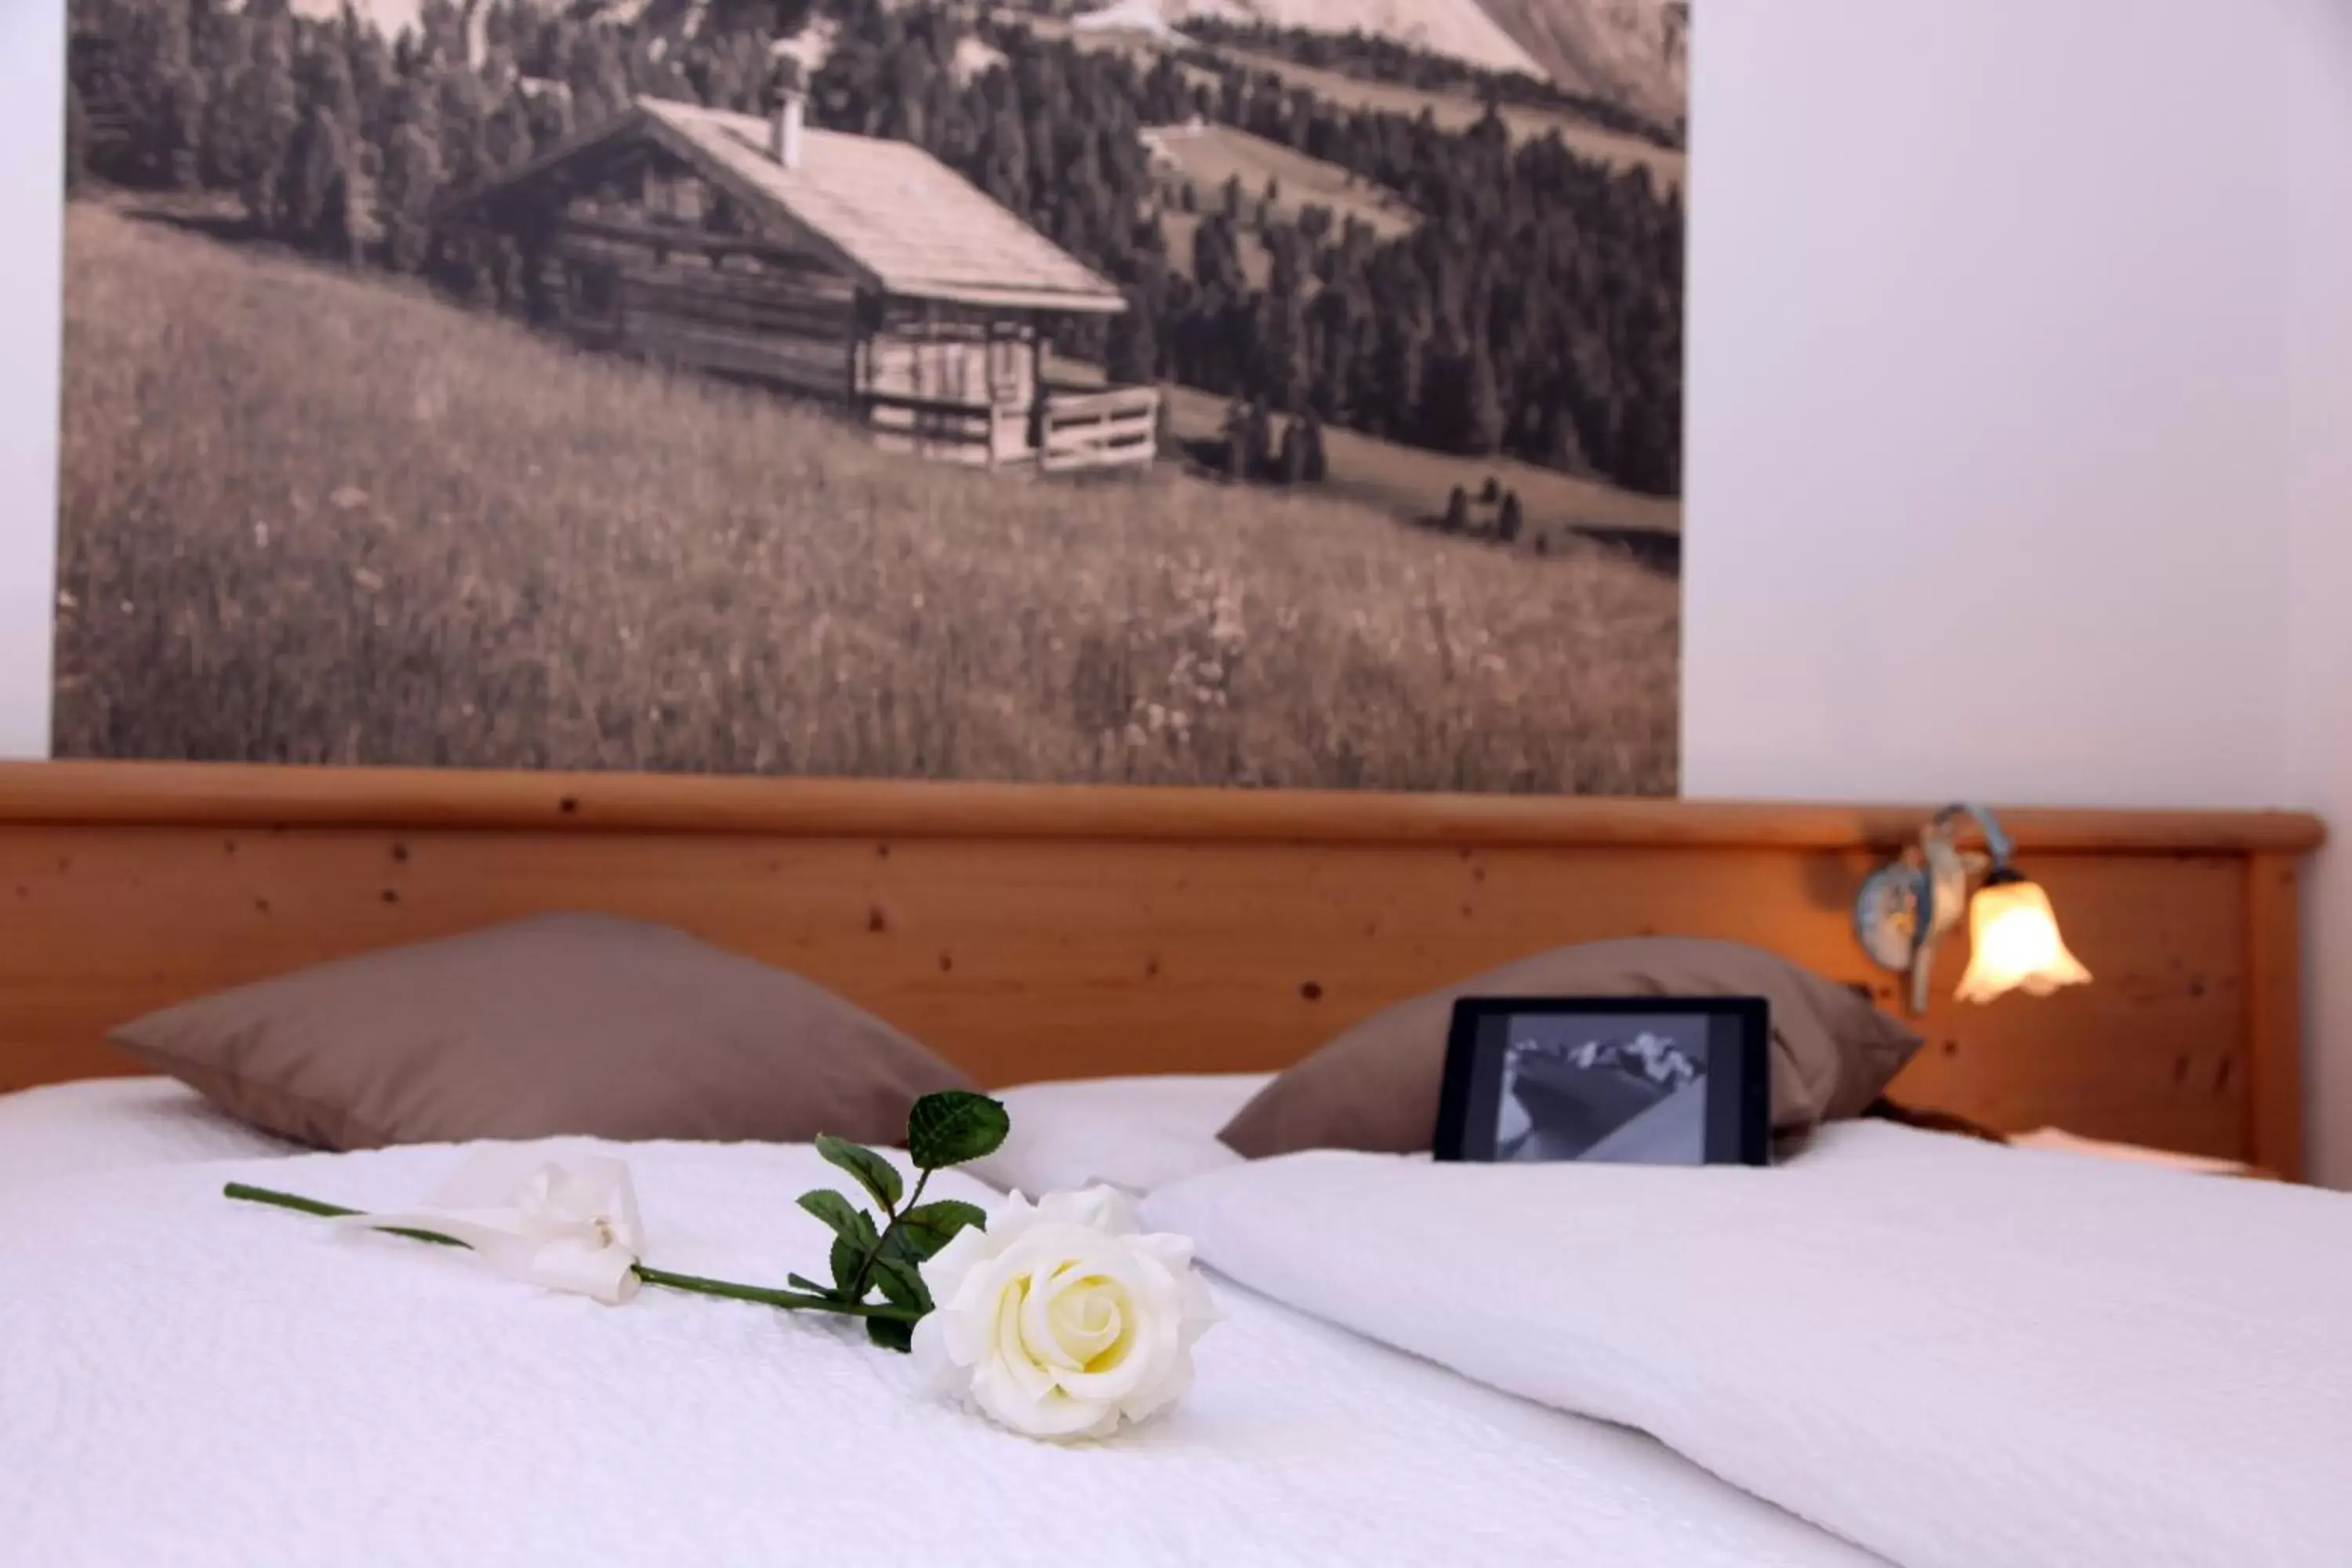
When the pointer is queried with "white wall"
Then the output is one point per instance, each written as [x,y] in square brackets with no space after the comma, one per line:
[32,121]
[2020,417]
[1987,418]
[2319,547]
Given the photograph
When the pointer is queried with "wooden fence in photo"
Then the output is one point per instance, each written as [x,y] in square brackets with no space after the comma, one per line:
[1067,431]
[1099,429]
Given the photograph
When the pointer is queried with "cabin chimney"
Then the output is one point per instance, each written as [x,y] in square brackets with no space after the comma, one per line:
[785,138]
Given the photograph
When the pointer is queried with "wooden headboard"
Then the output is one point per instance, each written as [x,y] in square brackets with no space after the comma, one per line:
[1033,932]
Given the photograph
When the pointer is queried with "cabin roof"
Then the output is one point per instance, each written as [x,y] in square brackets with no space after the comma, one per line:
[899,219]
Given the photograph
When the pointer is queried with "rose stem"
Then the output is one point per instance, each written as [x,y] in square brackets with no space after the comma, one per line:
[788,1300]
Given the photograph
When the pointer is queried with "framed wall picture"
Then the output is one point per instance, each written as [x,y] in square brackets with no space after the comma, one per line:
[1146,392]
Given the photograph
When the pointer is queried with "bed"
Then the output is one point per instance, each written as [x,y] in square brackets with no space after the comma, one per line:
[193,1381]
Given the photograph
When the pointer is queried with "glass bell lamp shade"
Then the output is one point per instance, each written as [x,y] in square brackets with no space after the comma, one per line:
[2013,944]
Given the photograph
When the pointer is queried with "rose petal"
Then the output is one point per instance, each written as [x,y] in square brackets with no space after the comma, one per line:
[943,1273]
[1087,1314]
[939,1366]
[1174,1253]
[1174,1382]
[1049,1413]
[1038,1340]
[1150,1338]
[1011,1358]
[1105,1209]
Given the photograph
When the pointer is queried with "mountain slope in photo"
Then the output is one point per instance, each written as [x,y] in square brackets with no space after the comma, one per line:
[1630,52]
[312,515]
[1633,53]
[1462,29]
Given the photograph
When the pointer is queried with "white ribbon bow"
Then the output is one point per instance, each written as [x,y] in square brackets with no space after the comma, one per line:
[566,1223]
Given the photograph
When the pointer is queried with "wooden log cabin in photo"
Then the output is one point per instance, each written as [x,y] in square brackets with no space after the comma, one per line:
[853,269]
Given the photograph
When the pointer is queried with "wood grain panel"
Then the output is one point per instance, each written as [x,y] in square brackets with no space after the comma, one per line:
[2152,1051]
[241,795]
[2274,1011]
[1133,939]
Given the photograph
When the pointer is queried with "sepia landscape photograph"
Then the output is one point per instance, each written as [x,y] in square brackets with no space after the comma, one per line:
[1253,392]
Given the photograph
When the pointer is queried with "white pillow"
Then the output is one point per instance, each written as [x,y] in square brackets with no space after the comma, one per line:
[116,1124]
[1136,1133]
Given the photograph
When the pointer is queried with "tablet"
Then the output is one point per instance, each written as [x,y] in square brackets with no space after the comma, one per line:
[1654,1080]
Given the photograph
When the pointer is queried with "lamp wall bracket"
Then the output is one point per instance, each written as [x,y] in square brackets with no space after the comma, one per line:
[1908,905]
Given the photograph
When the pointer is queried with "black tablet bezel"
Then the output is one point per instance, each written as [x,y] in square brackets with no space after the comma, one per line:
[1755,1087]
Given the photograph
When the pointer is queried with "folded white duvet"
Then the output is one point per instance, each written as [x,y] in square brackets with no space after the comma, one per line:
[189,1381]
[1956,1354]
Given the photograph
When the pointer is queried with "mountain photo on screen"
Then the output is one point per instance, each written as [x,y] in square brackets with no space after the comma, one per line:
[1260,393]
[1631,1090]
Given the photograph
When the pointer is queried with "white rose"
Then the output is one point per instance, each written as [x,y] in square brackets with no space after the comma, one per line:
[1060,1319]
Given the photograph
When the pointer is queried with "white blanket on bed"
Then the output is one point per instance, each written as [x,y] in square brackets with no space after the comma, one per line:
[1957,1355]
[186,1380]
[116,1124]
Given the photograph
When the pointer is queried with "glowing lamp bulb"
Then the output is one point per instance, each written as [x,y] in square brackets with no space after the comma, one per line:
[2013,945]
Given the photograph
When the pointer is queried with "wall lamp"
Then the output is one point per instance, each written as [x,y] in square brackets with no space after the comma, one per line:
[1908,905]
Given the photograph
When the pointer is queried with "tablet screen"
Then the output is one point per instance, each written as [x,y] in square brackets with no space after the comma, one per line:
[1644,1083]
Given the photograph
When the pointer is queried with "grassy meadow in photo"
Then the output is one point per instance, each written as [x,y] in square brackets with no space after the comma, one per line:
[316,514]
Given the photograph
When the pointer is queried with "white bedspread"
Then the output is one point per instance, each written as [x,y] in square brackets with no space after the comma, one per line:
[115,1124]
[187,1380]
[1957,1354]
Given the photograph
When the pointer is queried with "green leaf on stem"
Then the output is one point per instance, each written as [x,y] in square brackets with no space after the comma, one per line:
[891,1334]
[854,1236]
[901,1282]
[874,1173]
[840,1216]
[801,1282]
[850,1252]
[953,1126]
[926,1228]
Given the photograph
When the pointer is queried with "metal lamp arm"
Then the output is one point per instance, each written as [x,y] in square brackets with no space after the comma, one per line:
[1997,841]
[1906,906]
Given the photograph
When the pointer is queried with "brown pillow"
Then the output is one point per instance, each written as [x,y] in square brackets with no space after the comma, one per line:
[1375,1085]
[562,1023]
